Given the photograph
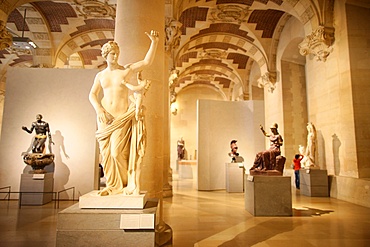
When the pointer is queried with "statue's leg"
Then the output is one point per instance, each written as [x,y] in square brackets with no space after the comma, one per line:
[115,154]
[41,145]
[257,161]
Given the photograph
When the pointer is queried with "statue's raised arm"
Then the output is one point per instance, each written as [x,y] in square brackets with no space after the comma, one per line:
[149,58]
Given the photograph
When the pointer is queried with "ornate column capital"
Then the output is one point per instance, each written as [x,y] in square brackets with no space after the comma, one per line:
[173,34]
[318,43]
[268,80]
[5,37]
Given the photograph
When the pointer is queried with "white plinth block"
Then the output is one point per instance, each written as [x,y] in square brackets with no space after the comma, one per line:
[93,200]
[187,168]
[234,177]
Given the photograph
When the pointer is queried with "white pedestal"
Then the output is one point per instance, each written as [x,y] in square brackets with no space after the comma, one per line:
[36,183]
[314,182]
[234,177]
[93,200]
[107,227]
[268,195]
[187,168]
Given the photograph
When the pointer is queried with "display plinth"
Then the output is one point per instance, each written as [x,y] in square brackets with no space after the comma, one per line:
[41,184]
[187,168]
[93,200]
[268,195]
[234,177]
[314,182]
[107,227]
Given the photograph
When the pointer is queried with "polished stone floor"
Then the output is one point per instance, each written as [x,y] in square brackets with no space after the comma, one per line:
[208,219]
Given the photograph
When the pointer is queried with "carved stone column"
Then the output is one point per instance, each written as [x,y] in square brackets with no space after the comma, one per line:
[133,19]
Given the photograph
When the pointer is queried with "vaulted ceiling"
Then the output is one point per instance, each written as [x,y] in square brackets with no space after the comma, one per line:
[220,39]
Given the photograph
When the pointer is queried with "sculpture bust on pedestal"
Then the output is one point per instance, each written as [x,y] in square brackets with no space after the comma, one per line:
[121,135]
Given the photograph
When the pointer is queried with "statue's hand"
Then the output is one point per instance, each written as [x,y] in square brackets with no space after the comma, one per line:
[153,36]
[24,128]
[105,117]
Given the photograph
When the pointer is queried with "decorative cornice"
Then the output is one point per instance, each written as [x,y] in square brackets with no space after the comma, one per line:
[5,37]
[212,54]
[95,8]
[173,34]
[229,13]
[318,43]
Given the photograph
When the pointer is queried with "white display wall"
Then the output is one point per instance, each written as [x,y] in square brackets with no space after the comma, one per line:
[219,122]
[61,96]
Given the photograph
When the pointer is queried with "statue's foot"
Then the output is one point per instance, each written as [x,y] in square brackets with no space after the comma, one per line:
[136,192]
[129,190]
[105,192]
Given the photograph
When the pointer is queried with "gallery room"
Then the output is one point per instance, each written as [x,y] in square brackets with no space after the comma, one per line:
[184,123]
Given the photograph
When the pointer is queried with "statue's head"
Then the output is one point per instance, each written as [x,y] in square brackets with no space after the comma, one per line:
[108,47]
[38,116]
[274,126]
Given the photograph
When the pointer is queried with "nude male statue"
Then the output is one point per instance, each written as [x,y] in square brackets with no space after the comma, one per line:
[120,135]
[42,132]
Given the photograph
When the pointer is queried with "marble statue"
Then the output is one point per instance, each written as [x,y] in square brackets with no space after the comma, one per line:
[139,93]
[270,161]
[309,151]
[121,135]
[180,149]
[38,159]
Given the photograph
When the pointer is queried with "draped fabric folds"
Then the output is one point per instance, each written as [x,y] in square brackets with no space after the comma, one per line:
[122,146]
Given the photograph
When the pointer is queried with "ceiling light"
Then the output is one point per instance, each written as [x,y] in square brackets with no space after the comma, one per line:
[23,43]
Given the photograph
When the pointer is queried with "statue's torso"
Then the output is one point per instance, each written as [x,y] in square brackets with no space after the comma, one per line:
[115,99]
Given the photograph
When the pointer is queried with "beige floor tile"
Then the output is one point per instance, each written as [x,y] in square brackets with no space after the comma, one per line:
[217,218]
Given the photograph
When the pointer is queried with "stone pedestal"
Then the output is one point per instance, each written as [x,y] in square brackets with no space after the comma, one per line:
[268,195]
[234,177]
[93,200]
[187,168]
[314,182]
[39,183]
[107,227]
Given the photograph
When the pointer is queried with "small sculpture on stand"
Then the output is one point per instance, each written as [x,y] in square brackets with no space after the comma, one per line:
[180,149]
[270,162]
[38,159]
[235,158]
[308,162]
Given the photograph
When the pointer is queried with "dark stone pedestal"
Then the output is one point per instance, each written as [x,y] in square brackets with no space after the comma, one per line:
[36,183]
[268,195]
[314,182]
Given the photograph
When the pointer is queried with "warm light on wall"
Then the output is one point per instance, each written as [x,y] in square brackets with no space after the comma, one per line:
[174,108]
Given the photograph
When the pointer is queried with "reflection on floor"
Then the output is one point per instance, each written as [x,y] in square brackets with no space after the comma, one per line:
[208,219]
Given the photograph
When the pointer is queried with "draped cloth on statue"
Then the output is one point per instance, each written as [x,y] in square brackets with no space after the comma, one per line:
[122,146]
[267,159]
